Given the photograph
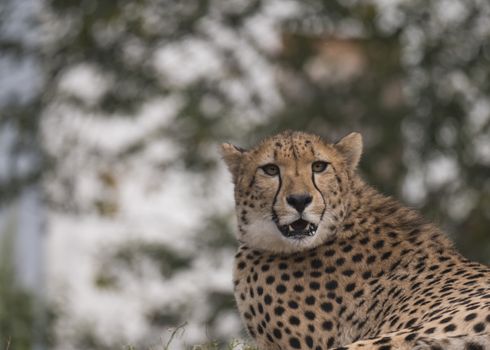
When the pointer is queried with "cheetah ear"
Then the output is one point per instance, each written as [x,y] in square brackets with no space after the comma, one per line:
[350,147]
[232,155]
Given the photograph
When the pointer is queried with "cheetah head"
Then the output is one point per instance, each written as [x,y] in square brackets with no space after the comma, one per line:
[291,191]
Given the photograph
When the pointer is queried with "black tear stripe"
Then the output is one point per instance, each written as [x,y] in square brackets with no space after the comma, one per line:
[274,214]
[321,194]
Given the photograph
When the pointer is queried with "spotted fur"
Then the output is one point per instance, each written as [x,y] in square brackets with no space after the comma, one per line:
[374,275]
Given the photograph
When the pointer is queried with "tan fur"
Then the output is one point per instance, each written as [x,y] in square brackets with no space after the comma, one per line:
[374,275]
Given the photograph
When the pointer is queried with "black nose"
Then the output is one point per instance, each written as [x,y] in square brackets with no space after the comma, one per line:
[299,201]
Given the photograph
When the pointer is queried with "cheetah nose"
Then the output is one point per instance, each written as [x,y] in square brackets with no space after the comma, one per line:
[299,201]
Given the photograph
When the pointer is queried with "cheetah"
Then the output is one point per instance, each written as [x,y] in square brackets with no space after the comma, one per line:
[327,262]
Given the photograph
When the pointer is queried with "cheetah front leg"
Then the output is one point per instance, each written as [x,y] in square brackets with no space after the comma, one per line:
[401,340]
[411,340]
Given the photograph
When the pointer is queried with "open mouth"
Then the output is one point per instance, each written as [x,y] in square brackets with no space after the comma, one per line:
[298,229]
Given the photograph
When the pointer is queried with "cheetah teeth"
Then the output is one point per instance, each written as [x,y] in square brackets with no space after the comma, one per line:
[299,232]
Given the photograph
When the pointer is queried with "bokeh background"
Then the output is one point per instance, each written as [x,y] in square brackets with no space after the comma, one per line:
[116,214]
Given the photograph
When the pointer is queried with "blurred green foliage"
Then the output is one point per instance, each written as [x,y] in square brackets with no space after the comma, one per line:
[405,99]
[16,304]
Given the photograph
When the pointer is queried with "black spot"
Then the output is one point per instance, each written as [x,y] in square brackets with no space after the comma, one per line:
[329,252]
[327,325]
[281,288]
[450,328]
[359,293]
[283,266]
[309,341]
[379,244]
[411,322]
[260,308]
[364,241]
[327,307]
[241,265]
[348,273]
[265,268]
[270,279]
[435,347]
[293,320]
[392,234]
[411,337]
[294,342]
[310,315]
[340,261]
[292,304]
[331,285]
[479,327]
[277,333]
[298,274]
[298,288]
[366,275]
[430,330]
[330,269]
[470,317]
[279,310]
[348,226]
[316,263]
[385,255]
[383,340]
[310,300]
[347,248]
[446,320]
[314,285]
[473,346]
[350,287]
[267,299]
[357,257]
[370,259]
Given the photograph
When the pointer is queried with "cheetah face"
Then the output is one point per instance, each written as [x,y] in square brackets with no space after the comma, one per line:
[297,207]
[291,190]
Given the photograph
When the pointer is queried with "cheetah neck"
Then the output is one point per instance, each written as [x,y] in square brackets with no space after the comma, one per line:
[375,216]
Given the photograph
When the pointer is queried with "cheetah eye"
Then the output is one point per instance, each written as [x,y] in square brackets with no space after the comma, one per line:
[319,166]
[271,169]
